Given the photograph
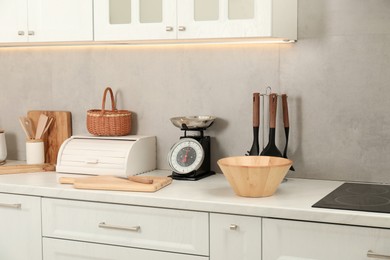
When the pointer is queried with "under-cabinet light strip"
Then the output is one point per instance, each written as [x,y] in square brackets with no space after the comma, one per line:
[155,43]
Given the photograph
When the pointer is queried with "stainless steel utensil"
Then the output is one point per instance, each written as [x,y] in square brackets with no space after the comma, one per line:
[193,122]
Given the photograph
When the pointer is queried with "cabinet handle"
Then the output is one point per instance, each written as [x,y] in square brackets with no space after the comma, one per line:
[371,254]
[15,206]
[31,33]
[182,28]
[134,229]
[91,161]
[233,227]
[169,28]
[20,33]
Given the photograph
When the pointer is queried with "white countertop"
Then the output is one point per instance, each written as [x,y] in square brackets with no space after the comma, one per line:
[292,200]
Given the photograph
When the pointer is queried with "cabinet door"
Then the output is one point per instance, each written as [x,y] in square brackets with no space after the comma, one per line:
[13,21]
[142,227]
[223,18]
[134,19]
[235,237]
[56,249]
[237,18]
[20,225]
[295,240]
[60,20]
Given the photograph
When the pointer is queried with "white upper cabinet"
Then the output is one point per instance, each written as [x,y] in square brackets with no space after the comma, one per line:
[237,19]
[117,20]
[194,19]
[46,20]
[60,20]
[13,21]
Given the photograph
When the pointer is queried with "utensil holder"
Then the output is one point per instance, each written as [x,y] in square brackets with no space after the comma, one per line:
[35,151]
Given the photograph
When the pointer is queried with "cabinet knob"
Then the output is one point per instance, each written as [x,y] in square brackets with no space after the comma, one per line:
[20,33]
[233,227]
[31,33]
[182,28]
[169,28]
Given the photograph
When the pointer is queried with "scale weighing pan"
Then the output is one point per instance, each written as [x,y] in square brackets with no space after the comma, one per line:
[193,122]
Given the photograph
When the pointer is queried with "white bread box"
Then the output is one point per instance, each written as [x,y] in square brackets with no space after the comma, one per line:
[117,156]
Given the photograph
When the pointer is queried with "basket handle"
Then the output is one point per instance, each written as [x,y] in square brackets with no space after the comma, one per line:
[108,89]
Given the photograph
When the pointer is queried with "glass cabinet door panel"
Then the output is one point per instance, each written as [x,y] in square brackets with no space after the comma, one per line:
[134,20]
[241,9]
[206,10]
[120,11]
[151,11]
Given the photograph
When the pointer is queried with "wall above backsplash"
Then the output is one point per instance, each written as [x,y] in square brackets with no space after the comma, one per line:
[336,77]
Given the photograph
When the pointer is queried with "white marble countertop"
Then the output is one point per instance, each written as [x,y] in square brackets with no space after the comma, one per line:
[292,200]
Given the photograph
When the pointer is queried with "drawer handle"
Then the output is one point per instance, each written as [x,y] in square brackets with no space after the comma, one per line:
[233,227]
[371,254]
[92,161]
[133,229]
[15,206]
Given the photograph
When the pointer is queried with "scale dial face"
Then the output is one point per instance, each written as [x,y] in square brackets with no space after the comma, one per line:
[186,156]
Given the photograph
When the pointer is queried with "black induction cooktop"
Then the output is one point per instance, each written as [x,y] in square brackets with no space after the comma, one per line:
[358,196]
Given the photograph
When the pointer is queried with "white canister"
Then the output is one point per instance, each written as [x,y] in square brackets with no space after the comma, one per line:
[35,151]
[3,147]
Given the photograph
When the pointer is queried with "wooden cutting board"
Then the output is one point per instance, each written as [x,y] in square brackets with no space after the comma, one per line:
[59,131]
[26,168]
[116,183]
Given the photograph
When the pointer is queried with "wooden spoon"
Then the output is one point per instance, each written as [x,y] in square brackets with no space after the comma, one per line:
[41,126]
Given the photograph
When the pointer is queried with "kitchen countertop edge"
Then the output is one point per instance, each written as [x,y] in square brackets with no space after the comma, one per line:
[292,200]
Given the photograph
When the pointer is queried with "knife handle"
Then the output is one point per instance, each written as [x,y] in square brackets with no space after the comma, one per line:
[256,109]
[285,111]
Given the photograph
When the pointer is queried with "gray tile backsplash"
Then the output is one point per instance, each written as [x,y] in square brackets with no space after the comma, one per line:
[337,77]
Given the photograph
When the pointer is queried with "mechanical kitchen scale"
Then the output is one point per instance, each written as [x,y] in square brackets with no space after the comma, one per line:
[189,158]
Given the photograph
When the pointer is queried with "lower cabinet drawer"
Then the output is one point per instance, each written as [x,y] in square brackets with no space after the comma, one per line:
[134,226]
[297,240]
[56,249]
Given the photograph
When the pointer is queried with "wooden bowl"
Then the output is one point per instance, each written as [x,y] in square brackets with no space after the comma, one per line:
[254,176]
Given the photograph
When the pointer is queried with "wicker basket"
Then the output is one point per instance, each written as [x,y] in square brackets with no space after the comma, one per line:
[108,122]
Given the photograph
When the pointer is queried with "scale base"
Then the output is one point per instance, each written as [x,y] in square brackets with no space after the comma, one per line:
[192,176]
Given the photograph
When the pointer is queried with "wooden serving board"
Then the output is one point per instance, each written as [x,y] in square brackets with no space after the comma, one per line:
[26,168]
[60,130]
[116,183]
